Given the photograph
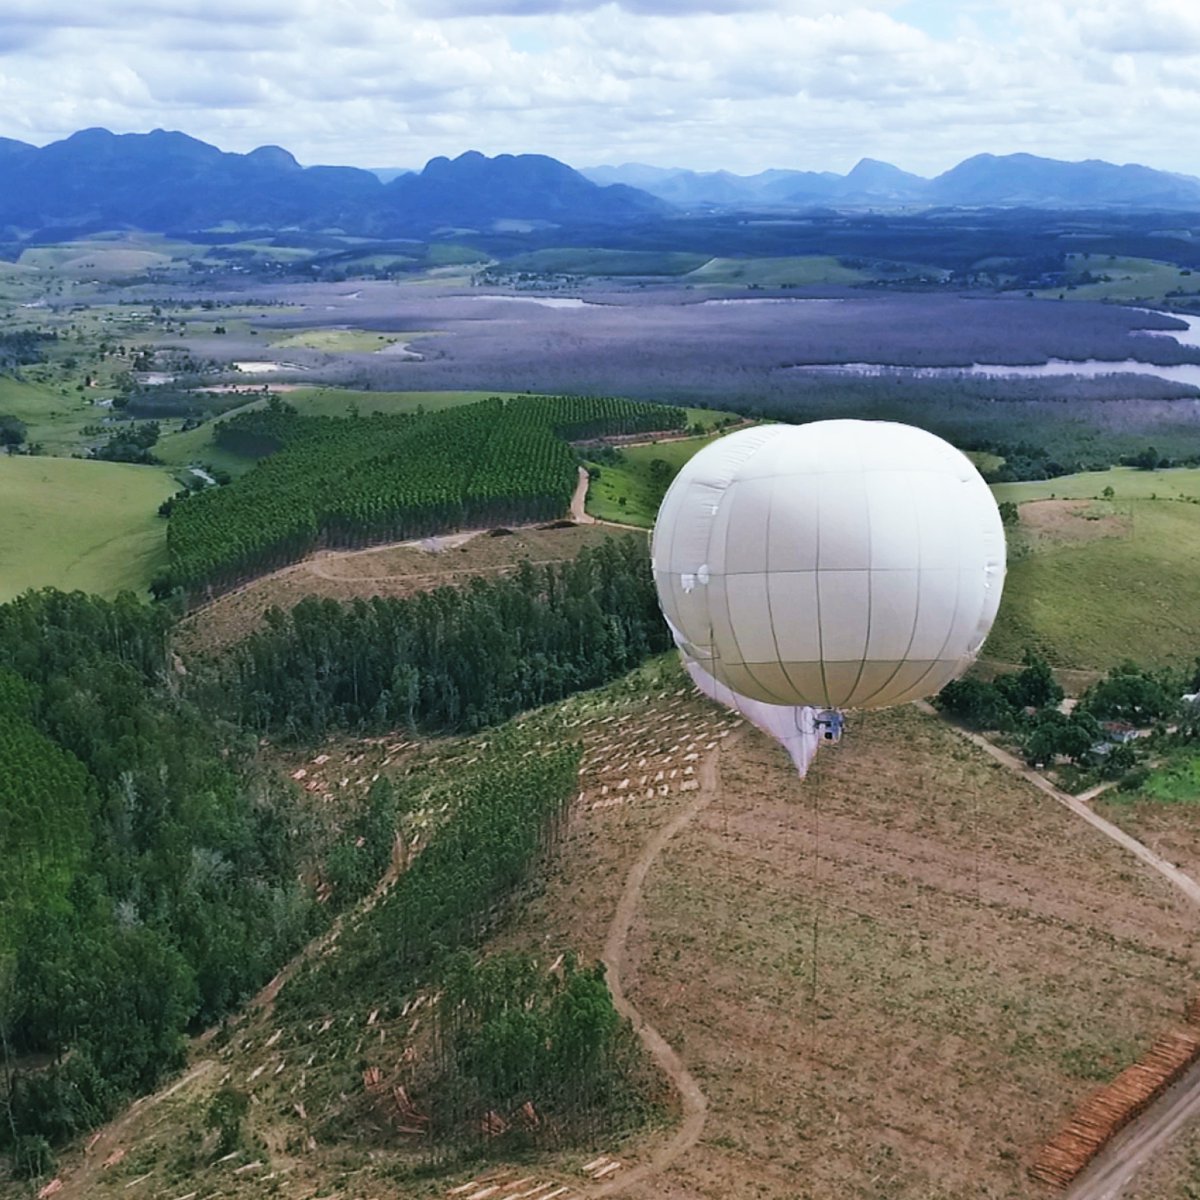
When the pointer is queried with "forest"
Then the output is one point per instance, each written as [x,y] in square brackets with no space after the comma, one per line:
[155,883]
[353,481]
[156,878]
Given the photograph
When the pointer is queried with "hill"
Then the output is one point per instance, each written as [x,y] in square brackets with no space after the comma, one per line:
[165,180]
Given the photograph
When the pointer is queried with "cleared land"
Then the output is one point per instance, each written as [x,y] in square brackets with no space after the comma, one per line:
[345,341]
[77,525]
[890,980]
[976,973]
[381,571]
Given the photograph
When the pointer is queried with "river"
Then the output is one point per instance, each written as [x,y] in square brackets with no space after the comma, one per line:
[1089,368]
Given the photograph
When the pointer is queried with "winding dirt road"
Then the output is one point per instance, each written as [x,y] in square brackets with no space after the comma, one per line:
[695,1103]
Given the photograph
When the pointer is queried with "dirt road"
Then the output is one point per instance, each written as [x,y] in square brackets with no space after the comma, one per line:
[1149,1135]
[1111,1172]
[1185,883]
[578,515]
[695,1104]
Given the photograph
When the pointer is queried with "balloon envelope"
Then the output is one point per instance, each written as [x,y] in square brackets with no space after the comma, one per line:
[837,564]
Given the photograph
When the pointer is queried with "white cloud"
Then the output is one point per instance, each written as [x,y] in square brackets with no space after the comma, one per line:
[742,84]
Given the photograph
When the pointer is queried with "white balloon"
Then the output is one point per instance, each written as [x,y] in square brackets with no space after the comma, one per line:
[841,564]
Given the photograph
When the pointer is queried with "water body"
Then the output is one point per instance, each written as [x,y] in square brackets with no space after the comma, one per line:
[265,368]
[772,300]
[1089,368]
[544,301]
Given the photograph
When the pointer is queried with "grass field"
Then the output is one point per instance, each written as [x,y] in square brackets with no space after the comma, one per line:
[80,525]
[1128,279]
[592,261]
[1127,483]
[1091,590]
[53,417]
[631,491]
[777,272]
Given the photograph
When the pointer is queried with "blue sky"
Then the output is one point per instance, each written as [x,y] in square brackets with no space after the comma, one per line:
[735,84]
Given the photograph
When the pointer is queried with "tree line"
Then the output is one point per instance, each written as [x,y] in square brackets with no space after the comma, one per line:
[450,659]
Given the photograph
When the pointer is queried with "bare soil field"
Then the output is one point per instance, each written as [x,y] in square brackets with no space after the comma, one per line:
[1067,522]
[983,960]
[1169,829]
[394,570]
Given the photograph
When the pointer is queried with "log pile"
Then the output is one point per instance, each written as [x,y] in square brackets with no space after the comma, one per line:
[1109,1109]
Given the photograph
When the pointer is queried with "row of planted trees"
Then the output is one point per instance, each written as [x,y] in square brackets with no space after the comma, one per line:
[515,1052]
[354,481]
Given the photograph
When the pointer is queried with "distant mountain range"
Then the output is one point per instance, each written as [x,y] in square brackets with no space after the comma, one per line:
[95,179]
[170,182]
[987,180]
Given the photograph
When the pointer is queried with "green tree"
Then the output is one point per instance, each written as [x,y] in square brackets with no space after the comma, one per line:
[225,1114]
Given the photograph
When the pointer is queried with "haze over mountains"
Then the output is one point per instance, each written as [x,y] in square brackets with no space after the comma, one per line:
[985,180]
[166,181]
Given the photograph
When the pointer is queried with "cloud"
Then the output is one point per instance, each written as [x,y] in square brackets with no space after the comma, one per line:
[1166,27]
[741,84]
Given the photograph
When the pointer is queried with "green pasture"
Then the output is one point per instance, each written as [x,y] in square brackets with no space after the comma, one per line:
[1095,603]
[108,257]
[345,341]
[1176,782]
[630,491]
[801,271]
[580,260]
[79,525]
[1127,483]
[453,254]
[55,417]
[1122,278]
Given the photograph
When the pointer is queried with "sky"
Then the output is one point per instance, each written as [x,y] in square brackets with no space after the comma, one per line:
[740,85]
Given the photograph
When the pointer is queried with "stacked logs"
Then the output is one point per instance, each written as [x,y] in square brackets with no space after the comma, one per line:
[1109,1109]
